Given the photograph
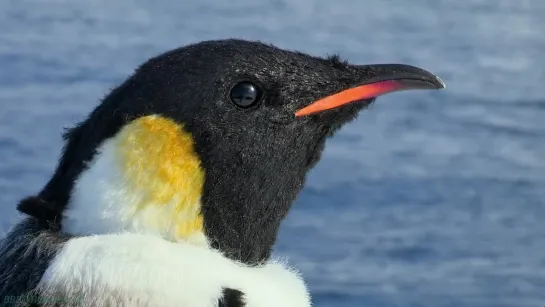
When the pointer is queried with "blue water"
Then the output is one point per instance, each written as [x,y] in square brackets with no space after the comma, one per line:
[428,199]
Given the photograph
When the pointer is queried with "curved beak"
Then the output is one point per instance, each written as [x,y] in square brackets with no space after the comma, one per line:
[376,80]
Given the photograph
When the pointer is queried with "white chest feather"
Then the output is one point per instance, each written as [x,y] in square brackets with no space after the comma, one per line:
[143,270]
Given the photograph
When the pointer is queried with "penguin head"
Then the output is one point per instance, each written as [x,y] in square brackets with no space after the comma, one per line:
[209,143]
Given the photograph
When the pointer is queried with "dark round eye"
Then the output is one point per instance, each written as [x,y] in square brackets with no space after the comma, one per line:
[245,94]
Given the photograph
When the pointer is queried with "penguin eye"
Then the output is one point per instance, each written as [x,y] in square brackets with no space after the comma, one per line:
[245,94]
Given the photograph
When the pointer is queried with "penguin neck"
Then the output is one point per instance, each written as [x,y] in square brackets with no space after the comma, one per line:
[243,214]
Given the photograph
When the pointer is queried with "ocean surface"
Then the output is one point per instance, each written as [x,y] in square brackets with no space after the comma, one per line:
[428,199]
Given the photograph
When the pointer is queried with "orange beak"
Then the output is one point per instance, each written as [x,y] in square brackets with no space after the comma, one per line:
[389,78]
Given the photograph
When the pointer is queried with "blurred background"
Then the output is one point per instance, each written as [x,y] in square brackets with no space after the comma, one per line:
[430,198]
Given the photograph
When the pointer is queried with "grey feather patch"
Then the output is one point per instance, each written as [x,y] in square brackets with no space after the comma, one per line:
[25,254]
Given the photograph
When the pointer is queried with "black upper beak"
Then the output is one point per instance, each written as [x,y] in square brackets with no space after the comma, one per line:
[376,80]
[386,72]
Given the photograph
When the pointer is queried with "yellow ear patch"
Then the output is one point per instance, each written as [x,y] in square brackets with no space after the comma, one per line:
[163,172]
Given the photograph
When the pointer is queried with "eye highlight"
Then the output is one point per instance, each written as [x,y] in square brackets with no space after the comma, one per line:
[245,94]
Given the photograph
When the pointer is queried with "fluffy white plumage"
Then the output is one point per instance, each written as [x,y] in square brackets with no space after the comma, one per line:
[140,270]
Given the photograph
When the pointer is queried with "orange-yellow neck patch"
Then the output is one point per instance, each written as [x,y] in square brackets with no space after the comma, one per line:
[163,172]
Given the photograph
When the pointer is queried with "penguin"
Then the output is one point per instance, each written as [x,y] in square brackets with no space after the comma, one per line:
[172,191]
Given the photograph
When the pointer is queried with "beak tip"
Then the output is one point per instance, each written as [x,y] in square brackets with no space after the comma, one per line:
[440,84]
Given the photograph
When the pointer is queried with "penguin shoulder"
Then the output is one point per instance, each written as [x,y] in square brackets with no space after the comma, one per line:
[143,270]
